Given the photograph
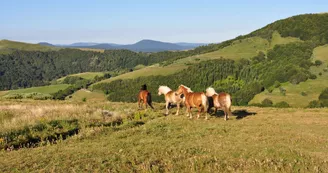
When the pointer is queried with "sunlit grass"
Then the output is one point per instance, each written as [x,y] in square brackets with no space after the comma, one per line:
[267,140]
[85,75]
[43,89]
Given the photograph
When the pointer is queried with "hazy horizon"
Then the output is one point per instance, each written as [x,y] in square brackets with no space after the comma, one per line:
[127,22]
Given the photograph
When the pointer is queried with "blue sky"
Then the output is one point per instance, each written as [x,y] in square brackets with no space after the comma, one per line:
[127,21]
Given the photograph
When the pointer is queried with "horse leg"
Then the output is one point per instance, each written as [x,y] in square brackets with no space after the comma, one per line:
[229,112]
[145,103]
[189,111]
[206,118]
[167,108]
[139,101]
[199,111]
[216,110]
[178,108]
[225,113]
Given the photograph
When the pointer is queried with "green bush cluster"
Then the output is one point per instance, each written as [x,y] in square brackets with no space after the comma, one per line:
[34,96]
[322,100]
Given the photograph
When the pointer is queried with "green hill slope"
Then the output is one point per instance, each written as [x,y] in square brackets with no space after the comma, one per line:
[43,89]
[7,46]
[311,88]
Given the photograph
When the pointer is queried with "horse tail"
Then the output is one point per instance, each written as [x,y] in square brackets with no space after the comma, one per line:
[210,92]
[149,100]
[205,102]
[229,103]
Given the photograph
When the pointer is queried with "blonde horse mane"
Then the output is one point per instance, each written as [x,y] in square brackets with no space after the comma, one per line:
[188,89]
[164,89]
[210,92]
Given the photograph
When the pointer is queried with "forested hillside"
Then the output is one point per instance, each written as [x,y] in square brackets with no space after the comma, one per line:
[308,27]
[243,78]
[20,68]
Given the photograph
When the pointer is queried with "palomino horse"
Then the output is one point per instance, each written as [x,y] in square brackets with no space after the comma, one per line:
[170,97]
[221,101]
[194,100]
[145,97]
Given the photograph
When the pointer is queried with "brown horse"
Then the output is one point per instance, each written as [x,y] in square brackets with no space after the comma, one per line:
[194,100]
[144,97]
[220,101]
[170,97]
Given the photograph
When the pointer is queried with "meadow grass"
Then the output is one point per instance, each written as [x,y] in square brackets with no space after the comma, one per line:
[89,96]
[2,93]
[153,70]
[85,75]
[277,39]
[43,89]
[254,140]
[312,88]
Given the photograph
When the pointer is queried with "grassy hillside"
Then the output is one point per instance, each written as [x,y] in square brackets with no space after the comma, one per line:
[267,140]
[7,46]
[243,48]
[94,50]
[312,88]
[43,89]
[85,75]
[86,95]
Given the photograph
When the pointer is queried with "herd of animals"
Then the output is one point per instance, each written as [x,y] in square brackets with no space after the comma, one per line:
[200,100]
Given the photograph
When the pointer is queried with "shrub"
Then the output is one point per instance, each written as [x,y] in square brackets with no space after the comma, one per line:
[84,99]
[282,104]
[317,62]
[267,102]
[270,89]
[61,94]
[297,78]
[323,97]
[276,84]
[40,96]
[13,96]
[320,73]
[312,76]
[314,104]
[303,93]
[282,91]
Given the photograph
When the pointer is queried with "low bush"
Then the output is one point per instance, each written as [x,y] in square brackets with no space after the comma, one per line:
[282,104]
[315,104]
[267,102]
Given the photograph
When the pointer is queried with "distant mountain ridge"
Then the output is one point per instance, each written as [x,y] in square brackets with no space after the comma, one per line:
[145,45]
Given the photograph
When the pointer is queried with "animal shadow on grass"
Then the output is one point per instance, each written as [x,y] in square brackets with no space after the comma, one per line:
[240,114]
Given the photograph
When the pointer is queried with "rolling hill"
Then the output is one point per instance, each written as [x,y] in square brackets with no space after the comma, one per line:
[7,46]
[141,46]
